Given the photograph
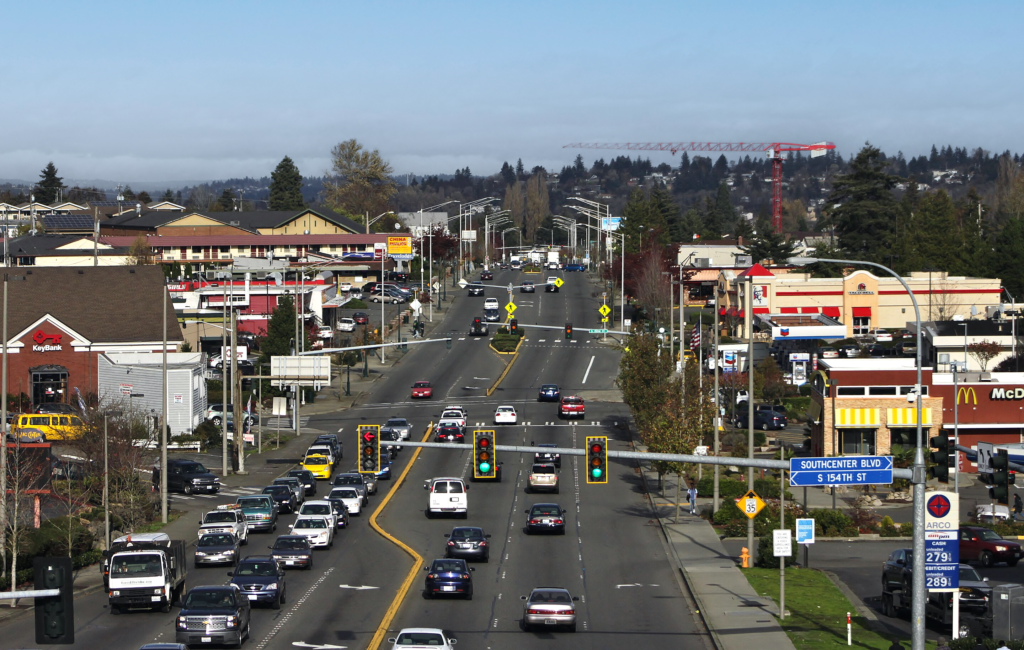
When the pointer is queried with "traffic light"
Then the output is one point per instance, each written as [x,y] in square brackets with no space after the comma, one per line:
[568,330]
[941,459]
[55,615]
[1002,477]
[513,326]
[597,459]
[484,463]
[369,448]
[448,343]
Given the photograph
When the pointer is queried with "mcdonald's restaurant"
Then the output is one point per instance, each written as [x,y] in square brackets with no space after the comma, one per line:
[869,407]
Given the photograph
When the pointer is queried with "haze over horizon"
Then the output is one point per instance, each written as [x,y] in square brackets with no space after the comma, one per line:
[174,93]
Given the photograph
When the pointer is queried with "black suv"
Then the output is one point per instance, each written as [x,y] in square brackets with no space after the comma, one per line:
[260,576]
[213,615]
[283,496]
[306,478]
[190,476]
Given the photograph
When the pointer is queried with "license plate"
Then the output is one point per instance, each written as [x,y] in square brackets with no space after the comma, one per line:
[550,621]
[447,588]
[156,599]
[546,521]
[290,562]
[465,546]
[206,639]
[251,596]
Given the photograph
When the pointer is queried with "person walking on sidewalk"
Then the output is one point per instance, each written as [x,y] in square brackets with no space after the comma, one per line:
[1018,507]
[691,496]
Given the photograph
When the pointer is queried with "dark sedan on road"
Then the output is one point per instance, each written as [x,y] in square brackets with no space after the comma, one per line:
[216,548]
[283,496]
[545,518]
[527,287]
[261,579]
[551,457]
[486,275]
[468,543]
[339,509]
[292,551]
[987,546]
[306,478]
[449,577]
[549,393]
[764,420]
[476,288]
[450,433]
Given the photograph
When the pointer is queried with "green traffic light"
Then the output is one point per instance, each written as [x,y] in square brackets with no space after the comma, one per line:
[596,472]
[485,468]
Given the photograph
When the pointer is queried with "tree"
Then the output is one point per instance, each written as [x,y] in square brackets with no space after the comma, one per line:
[768,380]
[867,212]
[286,186]
[769,245]
[226,202]
[507,173]
[1008,256]
[938,234]
[515,203]
[520,170]
[280,331]
[537,205]
[128,193]
[139,253]
[144,197]
[634,224]
[983,352]
[721,216]
[359,181]
[168,195]
[49,186]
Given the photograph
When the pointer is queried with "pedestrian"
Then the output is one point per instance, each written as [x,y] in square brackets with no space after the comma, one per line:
[1018,508]
[979,644]
[896,645]
[156,478]
[1002,645]
[942,645]
[691,496]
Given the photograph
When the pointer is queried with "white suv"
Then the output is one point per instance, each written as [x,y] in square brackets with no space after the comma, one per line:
[491,303]
[447,494]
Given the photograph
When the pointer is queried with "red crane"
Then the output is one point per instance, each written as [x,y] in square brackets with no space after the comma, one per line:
[772,149]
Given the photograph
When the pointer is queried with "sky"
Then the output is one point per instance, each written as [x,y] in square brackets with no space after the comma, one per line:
[185,91]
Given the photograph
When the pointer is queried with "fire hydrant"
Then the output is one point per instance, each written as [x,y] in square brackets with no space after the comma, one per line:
[745,557]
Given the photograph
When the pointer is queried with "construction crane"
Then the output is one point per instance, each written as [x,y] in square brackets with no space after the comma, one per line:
[773,151]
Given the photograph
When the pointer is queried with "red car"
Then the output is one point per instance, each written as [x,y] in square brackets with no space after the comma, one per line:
[571,406]
[987,547]
[422,389]
[361,318]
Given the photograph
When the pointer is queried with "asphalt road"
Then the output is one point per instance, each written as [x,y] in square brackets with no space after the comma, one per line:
[611,555]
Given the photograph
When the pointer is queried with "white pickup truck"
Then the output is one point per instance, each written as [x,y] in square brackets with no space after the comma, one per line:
[227,518]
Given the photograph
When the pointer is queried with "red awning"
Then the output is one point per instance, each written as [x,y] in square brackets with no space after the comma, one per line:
[862,312]
[739,313]
[831,312]
[789,310]
[761,310]
[808,310]
[721,311]
[731,311]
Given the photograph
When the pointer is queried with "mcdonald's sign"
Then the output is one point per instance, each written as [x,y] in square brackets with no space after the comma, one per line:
[968,395]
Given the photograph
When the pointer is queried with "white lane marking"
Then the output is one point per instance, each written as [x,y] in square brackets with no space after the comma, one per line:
[589,366]
[357,587]
[635,584]
[341,429]
[318,646]
[288,615]
[542,341]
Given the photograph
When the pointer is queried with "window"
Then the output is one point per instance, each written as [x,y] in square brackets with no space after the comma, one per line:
[197,249]
[882,391]
[850,391]
[857,442]
[861,326]
[225,249]
[906,390]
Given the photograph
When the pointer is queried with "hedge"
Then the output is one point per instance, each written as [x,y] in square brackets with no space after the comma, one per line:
[503,341]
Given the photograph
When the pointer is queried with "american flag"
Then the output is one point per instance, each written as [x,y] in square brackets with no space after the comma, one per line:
[695,339]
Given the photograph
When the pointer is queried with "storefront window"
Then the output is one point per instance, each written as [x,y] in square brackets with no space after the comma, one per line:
[49,384]
[861,326]
[857,442]
[905,437]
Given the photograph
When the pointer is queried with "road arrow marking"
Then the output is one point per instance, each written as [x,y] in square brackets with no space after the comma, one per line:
[318,646]
[635,584]
[357,587]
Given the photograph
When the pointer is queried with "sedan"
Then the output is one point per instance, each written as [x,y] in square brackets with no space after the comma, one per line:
[317,529]
[361,483]
[527,287]
[850,351]
[550,457]
[505,415]
[828,353]
[448,577]
[882,336]
[216,548]
[422,637]
[283,495]
[905,334]
[549,608]
[292,551]
[468,543]
[320,508]
[476,288]
[549,393]
[422,390]
[486,275]
[401,426]
[361,318]
[346,325]
[545,518]
[306,478]
[350,497]
[450,433]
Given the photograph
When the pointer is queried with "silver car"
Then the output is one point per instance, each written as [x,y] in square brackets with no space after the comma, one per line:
[401,426]
[549,607]
[356,482]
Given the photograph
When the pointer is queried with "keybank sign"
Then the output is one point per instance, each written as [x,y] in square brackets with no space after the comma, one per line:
[1007,393]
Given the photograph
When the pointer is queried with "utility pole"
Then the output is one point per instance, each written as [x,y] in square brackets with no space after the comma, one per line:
[236,396]
[223,382]
[163,421]
[718,399]
[749,318]
[3,456]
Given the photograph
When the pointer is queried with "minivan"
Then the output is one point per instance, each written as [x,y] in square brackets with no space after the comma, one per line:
[447,495]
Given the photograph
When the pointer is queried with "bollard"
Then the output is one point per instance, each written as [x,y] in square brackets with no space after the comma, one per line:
[849,630]
[745,558]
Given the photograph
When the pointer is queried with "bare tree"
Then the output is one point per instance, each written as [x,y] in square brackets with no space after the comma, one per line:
[515,203]
[359,181]
[651,287]
[944,302]
[140,253]
[28,466]
[537,204]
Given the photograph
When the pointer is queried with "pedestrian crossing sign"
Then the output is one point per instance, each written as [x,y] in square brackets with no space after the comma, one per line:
[510,308]
[559,282]
[604,310]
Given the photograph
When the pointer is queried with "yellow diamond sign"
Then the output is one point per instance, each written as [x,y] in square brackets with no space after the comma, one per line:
[559,283]
[605,310]
[510,307]
[750,504]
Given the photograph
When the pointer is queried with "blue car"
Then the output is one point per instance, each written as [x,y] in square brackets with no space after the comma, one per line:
[385,471]
[549,393]
[261,579]
[449,577]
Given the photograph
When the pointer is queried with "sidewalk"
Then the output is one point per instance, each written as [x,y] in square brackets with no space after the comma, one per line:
[737,618]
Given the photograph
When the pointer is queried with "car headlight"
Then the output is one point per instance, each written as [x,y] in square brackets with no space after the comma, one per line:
[200,554]
[181,622]
[271,587]
[1001,548]
[159,591]
[232,621]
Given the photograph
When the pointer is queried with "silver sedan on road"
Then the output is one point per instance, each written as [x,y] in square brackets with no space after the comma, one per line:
[401,426]
[549,607]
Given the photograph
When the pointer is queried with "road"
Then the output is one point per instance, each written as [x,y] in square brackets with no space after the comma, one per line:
[611,556]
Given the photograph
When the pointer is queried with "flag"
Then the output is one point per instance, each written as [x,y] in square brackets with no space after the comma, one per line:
[81,402]
[695,339]
[248,415]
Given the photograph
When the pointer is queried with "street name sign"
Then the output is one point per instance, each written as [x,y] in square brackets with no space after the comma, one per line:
[597,331]
[942,541]
[841,470]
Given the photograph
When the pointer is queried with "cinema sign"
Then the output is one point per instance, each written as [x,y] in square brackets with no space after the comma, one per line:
[1007,393]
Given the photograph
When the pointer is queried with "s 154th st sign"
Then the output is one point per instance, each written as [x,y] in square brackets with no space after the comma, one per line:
[850,470]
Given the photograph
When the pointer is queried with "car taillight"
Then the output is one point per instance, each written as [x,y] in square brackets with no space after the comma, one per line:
[451,543]
[535,521]
[558,521]
[568,611]
[536,611]
[431,576]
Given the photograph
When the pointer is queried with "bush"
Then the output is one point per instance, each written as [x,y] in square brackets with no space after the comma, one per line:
[832,523]
[728,488]
[356,304]
[207,434]
[805,390]
[505,342]
[766,553]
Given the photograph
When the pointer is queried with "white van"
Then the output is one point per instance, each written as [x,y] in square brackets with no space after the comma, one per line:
[447,494]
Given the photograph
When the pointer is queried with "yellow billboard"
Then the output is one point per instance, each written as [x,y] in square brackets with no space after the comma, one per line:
[399,246]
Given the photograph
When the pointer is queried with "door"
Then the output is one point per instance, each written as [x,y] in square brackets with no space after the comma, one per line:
[968,547]
[49,384]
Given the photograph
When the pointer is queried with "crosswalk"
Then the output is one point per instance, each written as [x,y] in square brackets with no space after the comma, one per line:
[285,422]
[541,424]
[225,495]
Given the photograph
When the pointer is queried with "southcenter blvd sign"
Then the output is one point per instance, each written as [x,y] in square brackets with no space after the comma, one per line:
[855,470]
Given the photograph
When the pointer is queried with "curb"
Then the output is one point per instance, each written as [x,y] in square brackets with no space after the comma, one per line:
[515,355]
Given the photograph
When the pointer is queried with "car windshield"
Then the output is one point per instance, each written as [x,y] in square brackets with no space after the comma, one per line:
[310,523]
[546,511]
[547,444]
[466,533]
[968,573]
[988,535]
[215,540]
[300,474]
[550,596]
[396,422]
[146,565]
[420,638]
[253,503]
[218,517]
[208,599]
[293,544]
[315,460]
[277,490]
[345,494]
[448,565]
[192,468]
[315,509]
[449,430]
[549,387]
[543,469]
[348,480]
[256,569]
[572,400]
[506,409]
[421,384]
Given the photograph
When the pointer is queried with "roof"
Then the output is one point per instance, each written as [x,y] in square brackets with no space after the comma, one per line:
[974,327]
[870,365]
[704,275]
[756,271]
[91,300]
[55,222]
[253,220]
[246,240]
[47,245]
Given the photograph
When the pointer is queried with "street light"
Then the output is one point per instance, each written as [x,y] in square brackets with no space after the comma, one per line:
[433,207]
[106,480]
[917,616]
[370,222]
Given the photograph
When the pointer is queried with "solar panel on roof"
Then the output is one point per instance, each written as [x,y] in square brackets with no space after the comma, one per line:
[68,222]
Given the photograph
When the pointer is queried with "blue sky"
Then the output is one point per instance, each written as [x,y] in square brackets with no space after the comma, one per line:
[166,91]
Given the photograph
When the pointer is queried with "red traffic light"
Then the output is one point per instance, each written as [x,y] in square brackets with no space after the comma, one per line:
[483,442]
[596,448]
[369,436]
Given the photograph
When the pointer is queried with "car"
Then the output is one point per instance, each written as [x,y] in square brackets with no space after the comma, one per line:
[486,275]
[449,576]
[492,315]
[468,543]
[261,579]
[456,415]
[878,350]
[571,406]
[384,295]
[478,327]
[987,547]
[332,441]
[543,477]
[323,449]
[306,478]
[385,470]
[527,287]
[190,476]
[741,396]
[298,489]
[449,433]
[388,442]
[549,607]
[551,457]
[345,286]
[361,318]
[764,420]
[214,413]
[340,511]
[491,303]
[476,288]
[850,351]
[422,390]
[904,349]
[357,481]
[369,482]
[292,551]
[318,529]
[881,336]
[411,638]
[897,575]
[283,495]
[549,393]
[346,325]
[213,615]
[447,496]
[349,496]
[56,408]
[551,287]
[319,465]
[320,508]
[227,518]
[505,415]
[463,413]
[216,548]
[545,518]
[828,353]
[260,511]
[579,268]
[325,332]
[401,426]
[552,266]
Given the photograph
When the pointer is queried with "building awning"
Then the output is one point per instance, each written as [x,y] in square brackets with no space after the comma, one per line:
[814,412]
[907,417]
[789,310]
[857,418]
[761,310]
[809,310]
[831,312]
[862,312]
[721,311]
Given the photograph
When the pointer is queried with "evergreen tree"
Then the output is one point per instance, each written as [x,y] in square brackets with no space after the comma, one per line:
[286,187]
[905,255]
[49,185]
[168,195]
[280,330]
[938,231]
[144,197]
[226,202]
[769,245]
[689,224]
[507,173]
[865,219]
[723,218]
[664,212]
[1008,256]
[128,193]
[634,224]
[972,256]
[578,167]
[520,170]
